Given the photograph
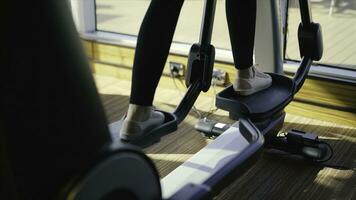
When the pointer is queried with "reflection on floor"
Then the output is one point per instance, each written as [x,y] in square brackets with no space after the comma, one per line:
[273,177]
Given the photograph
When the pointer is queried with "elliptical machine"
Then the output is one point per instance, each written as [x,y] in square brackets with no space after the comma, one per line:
[262,112]
[57,145]
[265,109]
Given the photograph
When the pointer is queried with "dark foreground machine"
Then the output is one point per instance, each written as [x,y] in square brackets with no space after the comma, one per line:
[54,138]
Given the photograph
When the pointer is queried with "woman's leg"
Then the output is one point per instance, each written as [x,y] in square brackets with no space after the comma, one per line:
[241,18]
[154,40]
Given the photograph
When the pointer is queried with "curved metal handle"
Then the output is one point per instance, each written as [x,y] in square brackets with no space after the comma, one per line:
[301,74]
[187,102]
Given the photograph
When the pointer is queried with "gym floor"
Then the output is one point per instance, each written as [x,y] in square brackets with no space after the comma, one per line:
[273,176]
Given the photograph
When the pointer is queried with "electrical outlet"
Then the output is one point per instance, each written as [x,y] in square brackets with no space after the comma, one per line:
[176,69]
[219,77]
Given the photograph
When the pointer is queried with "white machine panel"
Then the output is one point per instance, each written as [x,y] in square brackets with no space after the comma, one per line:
[206,162]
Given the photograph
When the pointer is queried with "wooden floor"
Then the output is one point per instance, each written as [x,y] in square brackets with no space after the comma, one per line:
[273,177]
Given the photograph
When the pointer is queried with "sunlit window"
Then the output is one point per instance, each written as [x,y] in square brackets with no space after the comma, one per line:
[338,21]
[125,17]
[337,17]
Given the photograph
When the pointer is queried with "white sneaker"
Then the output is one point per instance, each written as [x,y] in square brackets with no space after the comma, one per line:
[250,81]
[140,120]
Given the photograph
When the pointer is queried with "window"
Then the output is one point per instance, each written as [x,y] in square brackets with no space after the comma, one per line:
[338,19]
[125,17]
[118,22]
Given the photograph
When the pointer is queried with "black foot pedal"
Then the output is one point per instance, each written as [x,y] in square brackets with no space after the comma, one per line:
[148,138]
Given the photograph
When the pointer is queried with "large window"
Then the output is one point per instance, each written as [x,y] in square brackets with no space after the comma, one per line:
[125,16]
[337,17]
[338,21]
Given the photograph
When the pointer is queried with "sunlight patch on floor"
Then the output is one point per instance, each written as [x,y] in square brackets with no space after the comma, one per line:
[171,157]
[311,122]
[330,177]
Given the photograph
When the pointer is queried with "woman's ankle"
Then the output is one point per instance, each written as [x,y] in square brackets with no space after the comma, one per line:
[245,73]
[139,113]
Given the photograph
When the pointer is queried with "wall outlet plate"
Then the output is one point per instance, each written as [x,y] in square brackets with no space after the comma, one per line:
[219,77]
[176,69]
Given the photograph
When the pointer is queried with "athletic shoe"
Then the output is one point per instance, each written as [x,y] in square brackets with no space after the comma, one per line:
[250,81]
[139,119]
